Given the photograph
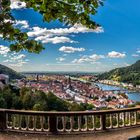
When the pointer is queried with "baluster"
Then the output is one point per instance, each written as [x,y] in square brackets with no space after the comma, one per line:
[13,121]
[64,123]
[132,118]
[111,124]
[86,123]
[93,120]
[27,122]
[60,123]
[79,123]
[19,122]
[90,122]
[34,123]
[7,121]
[42,123]
[117,118]
[57,123]
[129,117]
[123,119]
[48,121]
[135,118]
[71,123]
[138,116]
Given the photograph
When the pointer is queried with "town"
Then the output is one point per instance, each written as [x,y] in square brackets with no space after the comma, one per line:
[70,88]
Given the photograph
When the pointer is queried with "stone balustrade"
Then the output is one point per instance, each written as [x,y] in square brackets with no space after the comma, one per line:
[68,122]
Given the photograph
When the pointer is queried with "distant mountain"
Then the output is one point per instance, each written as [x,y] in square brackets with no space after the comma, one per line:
[8,71]
[130,74]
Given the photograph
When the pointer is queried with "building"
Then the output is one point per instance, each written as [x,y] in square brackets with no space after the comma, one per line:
[4,79]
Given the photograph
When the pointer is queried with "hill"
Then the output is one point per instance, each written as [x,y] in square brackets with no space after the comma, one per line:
[8,71]
[130,74]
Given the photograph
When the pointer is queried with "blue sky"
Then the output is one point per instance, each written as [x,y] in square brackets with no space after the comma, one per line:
[115,44]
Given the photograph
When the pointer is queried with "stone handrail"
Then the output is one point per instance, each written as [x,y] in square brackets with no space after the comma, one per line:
[68,122]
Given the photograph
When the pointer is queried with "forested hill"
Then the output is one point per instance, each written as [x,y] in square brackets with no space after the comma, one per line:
[8,71]
[130,74]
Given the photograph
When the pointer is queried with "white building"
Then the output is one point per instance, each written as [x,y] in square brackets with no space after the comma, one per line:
[4,78]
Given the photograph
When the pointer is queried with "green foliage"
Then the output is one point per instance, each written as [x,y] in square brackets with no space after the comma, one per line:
[54,103]
[27,99]
[38,107]
[133,105]
[137,103]
[130,74]
[85,106]
[6,98]
[2,103]
[66,11]
[76,107]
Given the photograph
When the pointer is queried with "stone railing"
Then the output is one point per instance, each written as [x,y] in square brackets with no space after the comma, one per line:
[68,122]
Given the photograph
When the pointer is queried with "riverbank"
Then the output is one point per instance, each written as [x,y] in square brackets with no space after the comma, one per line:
[135,96]
[130,88]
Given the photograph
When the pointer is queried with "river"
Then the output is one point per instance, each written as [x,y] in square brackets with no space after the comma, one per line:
[135,96]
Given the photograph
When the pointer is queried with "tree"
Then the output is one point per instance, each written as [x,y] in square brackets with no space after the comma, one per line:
[66,11]
[2,103]
[55,103]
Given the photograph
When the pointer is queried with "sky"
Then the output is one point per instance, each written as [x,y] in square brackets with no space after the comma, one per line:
[75,48]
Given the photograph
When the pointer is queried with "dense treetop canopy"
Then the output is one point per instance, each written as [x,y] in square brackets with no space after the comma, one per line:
[69,12]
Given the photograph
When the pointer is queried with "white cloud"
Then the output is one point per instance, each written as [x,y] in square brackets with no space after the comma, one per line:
[138,51]
[18,57]
[59,34]
[69,49]
[135,55]
[126,64]
[12,58]
[65,54]
[37,31]
[1,35]
[119,65]
[8,20]
[115,54]
[4,50]
[89,59]
[78,28]
[22,23]
[60,59]
[55,40]
[17,64]
[96,57]
[17,4]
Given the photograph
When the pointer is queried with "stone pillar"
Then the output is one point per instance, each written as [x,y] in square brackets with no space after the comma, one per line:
[52,124]
[103,121]
[2,120]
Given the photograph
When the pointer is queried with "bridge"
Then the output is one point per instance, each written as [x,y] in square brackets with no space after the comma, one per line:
[117,91]
[91,123]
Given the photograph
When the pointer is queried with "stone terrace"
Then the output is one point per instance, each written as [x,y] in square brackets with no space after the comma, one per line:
[124,134]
